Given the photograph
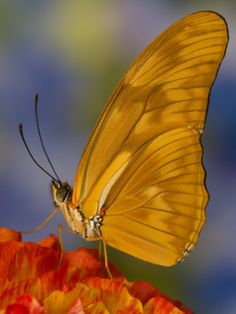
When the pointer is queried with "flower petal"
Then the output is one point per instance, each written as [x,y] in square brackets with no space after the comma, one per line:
[142,290]
[12,290]
[19,260]
[71,302]
[35,280]
[25,304]
[115,296]
[88,263]
[51,242]
[98,308]
[7,234]
[16,309]
[161,305]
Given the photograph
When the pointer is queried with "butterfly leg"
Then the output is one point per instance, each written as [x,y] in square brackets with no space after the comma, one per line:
[100,249]
[102,243]
[60,229]
[106,259]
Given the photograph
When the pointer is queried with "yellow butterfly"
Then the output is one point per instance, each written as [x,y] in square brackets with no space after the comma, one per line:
[139,186]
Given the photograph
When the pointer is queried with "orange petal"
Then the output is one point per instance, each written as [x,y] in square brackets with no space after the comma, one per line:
[7,234]
[115,296]
[161,305]
[73,301]
[98,308]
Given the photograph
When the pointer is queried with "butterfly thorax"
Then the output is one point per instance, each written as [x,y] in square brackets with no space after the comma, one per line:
[88,227]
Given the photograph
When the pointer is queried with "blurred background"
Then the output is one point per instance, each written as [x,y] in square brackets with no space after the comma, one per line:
[73,53]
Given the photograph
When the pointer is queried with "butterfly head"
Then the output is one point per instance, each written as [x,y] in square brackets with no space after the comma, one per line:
[62,196]
[62,193]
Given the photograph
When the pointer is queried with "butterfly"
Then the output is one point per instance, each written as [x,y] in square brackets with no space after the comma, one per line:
[140,184]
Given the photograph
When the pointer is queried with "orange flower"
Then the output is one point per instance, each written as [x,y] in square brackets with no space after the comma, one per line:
[34,280]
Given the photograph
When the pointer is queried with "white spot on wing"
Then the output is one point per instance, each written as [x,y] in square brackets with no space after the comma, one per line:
[109,185]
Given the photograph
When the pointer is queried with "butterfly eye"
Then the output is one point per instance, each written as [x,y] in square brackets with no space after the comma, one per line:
[63,193]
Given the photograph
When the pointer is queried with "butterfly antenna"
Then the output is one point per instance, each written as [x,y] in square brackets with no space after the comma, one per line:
[32,157]
[40,137]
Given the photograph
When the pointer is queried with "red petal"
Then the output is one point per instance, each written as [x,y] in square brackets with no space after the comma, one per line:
[16,309]
[88,263]
[20,261]
[63,278]
[21,264]
[25,304]
[182,307]
[51,242]
[30,303]
[143,291]
[7,234]
[11,290]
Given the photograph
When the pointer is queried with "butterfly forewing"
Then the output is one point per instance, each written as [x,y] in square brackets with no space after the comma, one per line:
[142,164]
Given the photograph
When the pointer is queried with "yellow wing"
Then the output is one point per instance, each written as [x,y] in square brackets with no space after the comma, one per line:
[166,87]
[156,209]
[164,92]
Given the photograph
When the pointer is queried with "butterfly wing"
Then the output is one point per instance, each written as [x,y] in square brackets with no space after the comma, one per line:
[166,89]
[156,209]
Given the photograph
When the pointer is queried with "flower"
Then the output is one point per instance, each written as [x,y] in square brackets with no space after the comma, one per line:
[36,278]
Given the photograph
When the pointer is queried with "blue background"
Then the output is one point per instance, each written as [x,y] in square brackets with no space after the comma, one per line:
[73,53]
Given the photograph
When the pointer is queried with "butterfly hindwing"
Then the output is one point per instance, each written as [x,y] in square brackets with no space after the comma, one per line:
[156,209]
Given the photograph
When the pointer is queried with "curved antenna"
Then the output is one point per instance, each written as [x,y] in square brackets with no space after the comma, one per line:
[40,136]
[35,161]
